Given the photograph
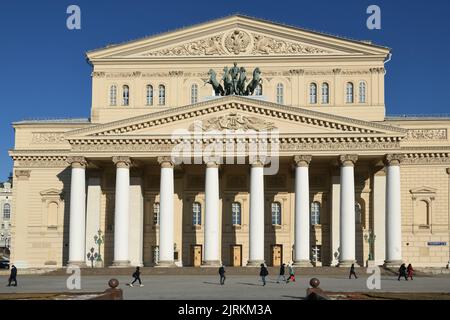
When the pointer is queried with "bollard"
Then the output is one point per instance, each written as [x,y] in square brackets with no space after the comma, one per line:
[113,293]
[315,293]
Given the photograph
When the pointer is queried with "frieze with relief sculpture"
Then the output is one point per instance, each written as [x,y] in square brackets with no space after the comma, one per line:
[232,121]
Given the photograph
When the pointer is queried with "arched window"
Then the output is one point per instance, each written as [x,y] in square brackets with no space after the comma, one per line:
[358,213]
[6,211]
[149,95]
[113,95]
[276,213]
[258,90]
[423,213]
[156,213]
[236,213]
[315,213]
[280,93]
[52,217]
[313,93]
[162,95]
[325,93]
[194,93]
[196,214]
[126,95]
[362,92]
[349,92]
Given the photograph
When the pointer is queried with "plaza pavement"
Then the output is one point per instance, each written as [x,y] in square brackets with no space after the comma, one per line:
[196,287]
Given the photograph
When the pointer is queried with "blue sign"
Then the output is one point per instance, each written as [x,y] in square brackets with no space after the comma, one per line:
[437,243]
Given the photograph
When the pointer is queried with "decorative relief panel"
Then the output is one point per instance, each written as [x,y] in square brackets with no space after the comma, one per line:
[238,42]
[232,121]
[47,137]
[427,134]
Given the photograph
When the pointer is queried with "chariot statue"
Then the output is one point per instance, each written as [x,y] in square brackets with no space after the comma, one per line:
[234,81]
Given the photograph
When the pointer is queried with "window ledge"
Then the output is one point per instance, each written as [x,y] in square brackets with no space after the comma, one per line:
[276,226]
[197,227]
[237,226]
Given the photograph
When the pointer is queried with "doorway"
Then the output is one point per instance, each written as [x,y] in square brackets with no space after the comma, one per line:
[277,255]
[196,255]
[236,255]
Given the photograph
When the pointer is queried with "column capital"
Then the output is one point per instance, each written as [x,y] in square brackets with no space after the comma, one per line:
[302,160]
[77,161]
[348,160]
[121,161]
[212,163]
[166,162]
[394,159]
[257,161]
[22,174]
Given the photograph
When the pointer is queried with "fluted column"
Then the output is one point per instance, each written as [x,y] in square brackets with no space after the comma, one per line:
[122,212]
[166,220]
[393,211]
[77,229]
[256,234]
[347,211]
[212,223]
[302,215]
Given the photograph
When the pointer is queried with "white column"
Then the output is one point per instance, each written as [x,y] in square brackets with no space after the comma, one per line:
[77,229]
[122,214]
[379,219]
[212,235]
[136,242]
[448,209]
[256,243]
[166,220]
[335,219]
[302,214]
[393,211]
[93,207]
[347,211]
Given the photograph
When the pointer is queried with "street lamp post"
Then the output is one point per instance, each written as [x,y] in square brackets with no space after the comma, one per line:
[370,238]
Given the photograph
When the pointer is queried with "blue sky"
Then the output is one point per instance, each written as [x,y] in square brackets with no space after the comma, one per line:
[44,74]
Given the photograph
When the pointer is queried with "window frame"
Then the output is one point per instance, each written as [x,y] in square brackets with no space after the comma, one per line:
[327,95]
[162,97]
[156,213]
[113,95]
[315,216]
[196,215]
[278,215]
[7,205]
[280,93]
[236,216]
[194,93]
[149,97]
[125,95]
[349,85]
[362,88]
[312,93]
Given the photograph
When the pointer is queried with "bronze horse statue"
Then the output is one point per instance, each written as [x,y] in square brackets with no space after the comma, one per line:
[254,83]
[218,89]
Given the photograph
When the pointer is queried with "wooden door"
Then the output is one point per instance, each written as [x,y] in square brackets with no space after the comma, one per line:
[236,256]
[196,256]
[277,255]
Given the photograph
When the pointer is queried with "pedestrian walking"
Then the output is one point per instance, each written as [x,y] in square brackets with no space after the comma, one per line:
[291,273]
[410,271]
[352,272]
[402,272]
[282,271]
[263,273]
[13,276]
[137,277]
[222,274]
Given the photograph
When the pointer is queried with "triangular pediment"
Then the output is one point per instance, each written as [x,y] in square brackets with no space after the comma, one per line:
[423,190]
[237,36]
[241,114]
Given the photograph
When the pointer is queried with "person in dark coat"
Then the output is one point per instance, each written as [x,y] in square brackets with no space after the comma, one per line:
[282,271]
[13,276]
[410,271]
[137,277]
[352,272]
[222,274]
[263,273]
[402,272]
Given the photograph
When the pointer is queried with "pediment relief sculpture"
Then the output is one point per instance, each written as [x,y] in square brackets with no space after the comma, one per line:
[238,42]
[232,121]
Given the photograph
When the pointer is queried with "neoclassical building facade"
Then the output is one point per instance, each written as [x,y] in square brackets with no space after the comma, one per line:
[308,168]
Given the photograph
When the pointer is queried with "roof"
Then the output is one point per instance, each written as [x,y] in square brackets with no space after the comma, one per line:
[247,17]
[54,121]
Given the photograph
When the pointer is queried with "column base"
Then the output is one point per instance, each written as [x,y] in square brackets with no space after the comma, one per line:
[79,264]
[255,263]
[302,264]
[392,263]
[211,264]
[347,264]
[166,264]
[121,264]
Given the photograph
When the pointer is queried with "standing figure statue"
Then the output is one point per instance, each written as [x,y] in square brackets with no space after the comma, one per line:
[234,73]
[254,83]
[241,82]
[218,89]
[227,83]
